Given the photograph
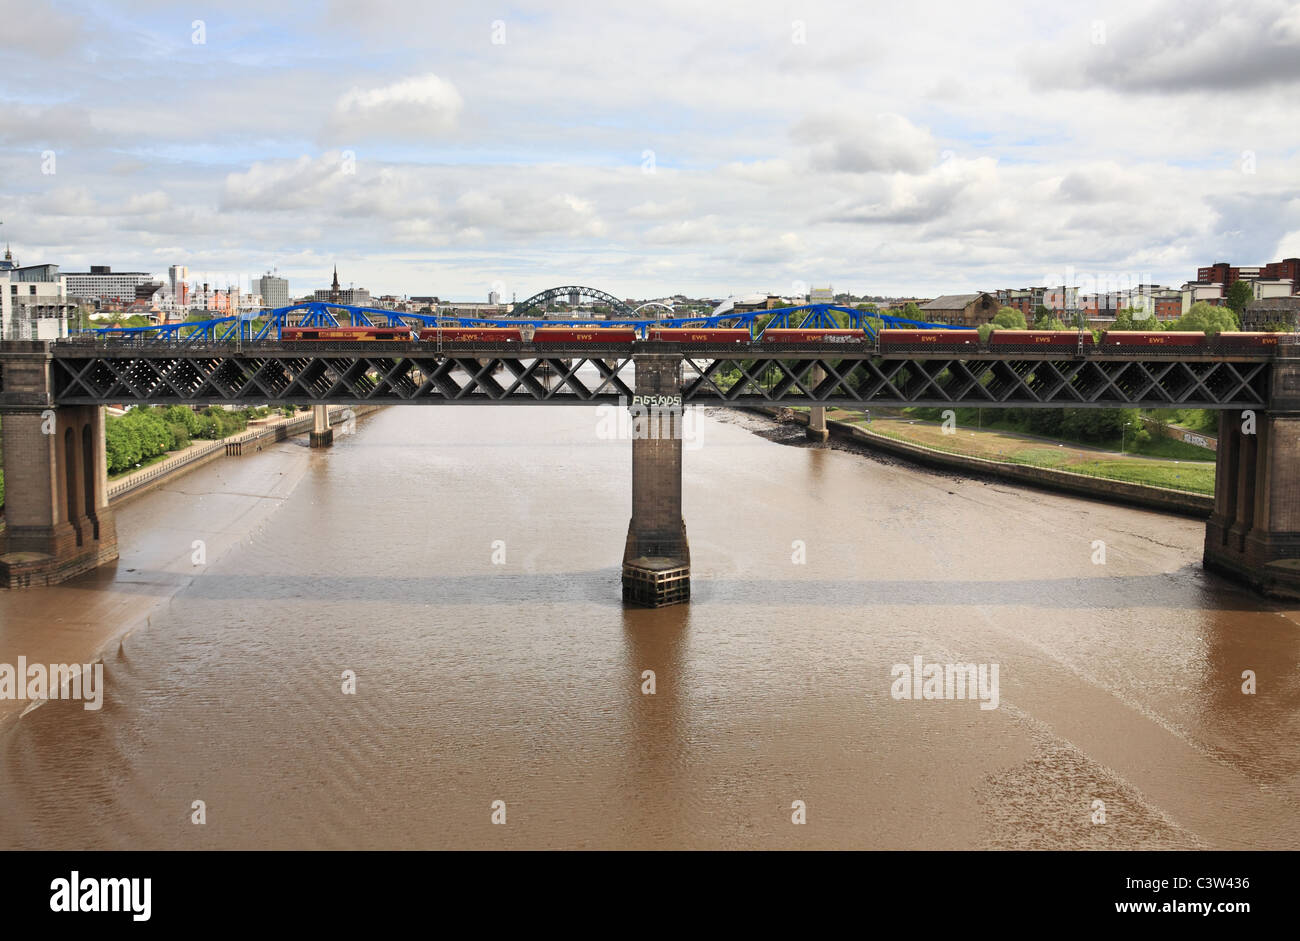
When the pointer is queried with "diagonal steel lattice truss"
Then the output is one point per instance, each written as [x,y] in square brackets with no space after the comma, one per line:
[988,381]
[407,373]
[314,378]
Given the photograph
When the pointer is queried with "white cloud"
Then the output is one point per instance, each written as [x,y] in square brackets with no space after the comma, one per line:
[417,107]
[1181,46]
[526,212]
[146,203]
[873,144]
[886,154]
[1289,247]
[686,231]
[760,171]
[651,209]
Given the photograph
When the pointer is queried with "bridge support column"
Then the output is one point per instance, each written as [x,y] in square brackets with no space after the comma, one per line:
[322,435]
[1253,533]
[657,557]
[817,430]
[57,520]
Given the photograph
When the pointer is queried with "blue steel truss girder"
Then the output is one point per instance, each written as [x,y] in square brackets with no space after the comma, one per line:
[263,325]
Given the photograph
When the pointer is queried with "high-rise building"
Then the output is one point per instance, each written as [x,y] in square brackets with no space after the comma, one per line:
[33,302]
[176,293]
[274,291]
[104,285]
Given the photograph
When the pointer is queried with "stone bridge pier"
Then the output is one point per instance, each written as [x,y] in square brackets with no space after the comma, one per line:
[57,520]
[817,430]
[657,557]
[322,435]
[1253,533]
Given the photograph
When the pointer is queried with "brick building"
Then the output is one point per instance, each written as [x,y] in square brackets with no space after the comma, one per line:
[967,310]
[1270,313]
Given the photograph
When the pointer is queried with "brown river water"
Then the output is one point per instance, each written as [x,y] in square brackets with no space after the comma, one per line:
[521,681]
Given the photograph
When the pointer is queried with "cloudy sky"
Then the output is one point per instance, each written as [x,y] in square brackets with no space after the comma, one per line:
[650,148]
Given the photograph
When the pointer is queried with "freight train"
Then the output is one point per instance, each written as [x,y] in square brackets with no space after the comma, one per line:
[324,334]
[941,340]
[1070,342]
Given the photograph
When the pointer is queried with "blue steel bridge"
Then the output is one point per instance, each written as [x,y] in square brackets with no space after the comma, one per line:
[260,326]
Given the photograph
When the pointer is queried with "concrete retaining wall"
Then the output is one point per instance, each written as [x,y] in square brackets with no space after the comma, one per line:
[1200,439]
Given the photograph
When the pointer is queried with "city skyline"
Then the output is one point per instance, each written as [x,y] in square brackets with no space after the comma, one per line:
[665,148]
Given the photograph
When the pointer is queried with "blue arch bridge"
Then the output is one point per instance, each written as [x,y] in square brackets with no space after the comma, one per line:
[59,524]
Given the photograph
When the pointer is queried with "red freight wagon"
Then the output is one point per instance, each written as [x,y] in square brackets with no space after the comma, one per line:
[1247,342]
[470,334]
[1035,338]
[1031,341]
[345,333]
[1170,339]
[698,335]
[894,339]
[780,335]
[584,335]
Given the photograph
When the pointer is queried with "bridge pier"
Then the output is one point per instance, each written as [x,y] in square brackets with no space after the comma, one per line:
[817,430]
[57,520]
[1253,533]
[657,557]
[322,435]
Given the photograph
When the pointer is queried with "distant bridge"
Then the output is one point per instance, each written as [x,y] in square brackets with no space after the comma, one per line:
[543,299]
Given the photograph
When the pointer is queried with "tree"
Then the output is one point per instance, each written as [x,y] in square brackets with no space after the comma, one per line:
[912,311]
[1239,295]
[1041,315]
[1010,319]
[121,444]
[1208,317]
[985,330]
[1103,424]
[1135,318]
[183,416]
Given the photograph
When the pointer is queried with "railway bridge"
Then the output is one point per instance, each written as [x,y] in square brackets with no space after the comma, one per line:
[59,524]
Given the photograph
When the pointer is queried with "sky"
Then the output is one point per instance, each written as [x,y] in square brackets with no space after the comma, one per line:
[909,148]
